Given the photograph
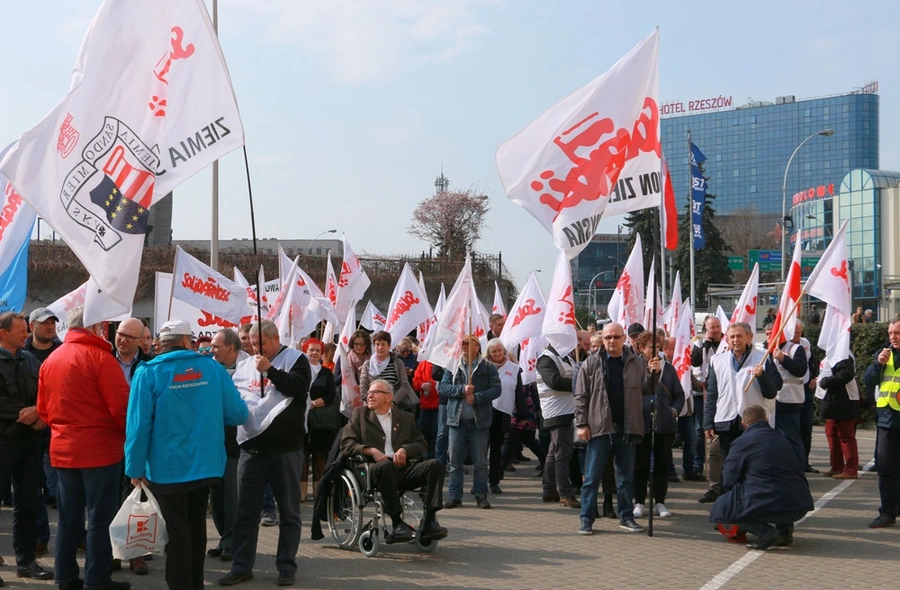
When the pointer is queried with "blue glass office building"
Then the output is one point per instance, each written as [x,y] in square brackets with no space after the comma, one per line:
[748,147]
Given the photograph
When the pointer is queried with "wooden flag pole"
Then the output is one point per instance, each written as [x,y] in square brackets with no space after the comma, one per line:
[774,340]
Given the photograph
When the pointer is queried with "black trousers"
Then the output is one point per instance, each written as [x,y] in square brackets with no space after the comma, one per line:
[499,428]
[389,480]
[662,458]
[185,515]
[888,450]
[21,466]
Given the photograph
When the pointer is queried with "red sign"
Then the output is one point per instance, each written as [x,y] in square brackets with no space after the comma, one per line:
[815,192]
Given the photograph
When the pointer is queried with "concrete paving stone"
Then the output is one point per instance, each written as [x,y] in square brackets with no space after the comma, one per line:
[525,543]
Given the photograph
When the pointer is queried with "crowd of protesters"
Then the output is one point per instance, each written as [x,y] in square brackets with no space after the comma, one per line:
[85,421]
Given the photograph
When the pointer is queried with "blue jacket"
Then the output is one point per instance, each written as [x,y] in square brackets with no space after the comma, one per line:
[486,380]
[179,406]
[763,480]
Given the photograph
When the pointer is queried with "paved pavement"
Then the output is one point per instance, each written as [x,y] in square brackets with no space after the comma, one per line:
[524,543]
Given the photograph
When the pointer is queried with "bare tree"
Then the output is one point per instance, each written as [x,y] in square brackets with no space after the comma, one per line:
[450,220]
[745,230]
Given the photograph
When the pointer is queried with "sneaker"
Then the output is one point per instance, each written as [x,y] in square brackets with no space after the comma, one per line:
[662,511]
[881,521]
[630,526]
[586,528]
[709,496]
[268,519]
[482,501]
[638,510]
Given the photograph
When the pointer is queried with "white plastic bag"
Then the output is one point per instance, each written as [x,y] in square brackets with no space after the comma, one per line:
[139,527]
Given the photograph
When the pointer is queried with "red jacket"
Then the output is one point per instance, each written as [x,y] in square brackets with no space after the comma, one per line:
[421,377]
[83,397]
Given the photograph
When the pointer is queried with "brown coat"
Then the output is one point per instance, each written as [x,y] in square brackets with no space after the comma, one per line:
[364,430]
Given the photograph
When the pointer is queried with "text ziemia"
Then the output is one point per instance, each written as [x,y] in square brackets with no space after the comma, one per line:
[705,104]
[199,141]
[207,288]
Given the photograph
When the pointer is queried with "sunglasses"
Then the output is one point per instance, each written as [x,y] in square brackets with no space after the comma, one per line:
[614,337]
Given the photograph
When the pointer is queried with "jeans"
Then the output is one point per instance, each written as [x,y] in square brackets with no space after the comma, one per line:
[889,470]
[468,438]
[598,450]
[428,426]
[282,471]
[556,466]
[787,422]
[268,504]
[224,500]
[843,452]
[50,477]
[689,439]
[22,467]
[97,490]
[185,515]
[442,439]
[700,451]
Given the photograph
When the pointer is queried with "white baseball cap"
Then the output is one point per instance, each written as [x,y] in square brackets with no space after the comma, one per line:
[176,327]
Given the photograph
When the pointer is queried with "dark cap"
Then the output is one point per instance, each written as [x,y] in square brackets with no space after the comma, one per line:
[635,329]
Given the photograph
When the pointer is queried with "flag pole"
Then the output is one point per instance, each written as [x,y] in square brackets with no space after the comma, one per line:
[260,289]
[214,235]
[774,341]
[690,203]
[662,242]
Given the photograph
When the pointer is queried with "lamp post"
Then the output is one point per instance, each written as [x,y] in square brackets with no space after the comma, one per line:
[823,133]
[824,226]
[591,288]
[327,231]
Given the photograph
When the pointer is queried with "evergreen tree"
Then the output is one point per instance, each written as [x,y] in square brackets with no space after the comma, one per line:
[710,263]
[643,222]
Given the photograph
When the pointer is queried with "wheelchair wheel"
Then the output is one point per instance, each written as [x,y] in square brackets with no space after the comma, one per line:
[425,546]
[369,543]
[345,512]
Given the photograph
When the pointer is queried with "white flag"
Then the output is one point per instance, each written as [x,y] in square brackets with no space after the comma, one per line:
[372,319]
[652,294]
[481,319]
[789,305]
[150,104]
[445,341]
[599,145]
[352,280]
[498,306]
[199,285]
[16,222]
[425,326]
[559,321]
[349,387]
[528,356]
[73,299]
[442,299]
[724,321]
[331,286]
[526,317]
[626,306]
[830,282]
[746,305]
[682,358]
[672,315]
[409,306]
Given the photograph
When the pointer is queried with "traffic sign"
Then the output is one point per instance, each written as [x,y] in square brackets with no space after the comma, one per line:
[736,262]
[769,260]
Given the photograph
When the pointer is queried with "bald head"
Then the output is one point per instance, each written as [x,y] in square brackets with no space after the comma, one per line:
[614,339]
[129,336]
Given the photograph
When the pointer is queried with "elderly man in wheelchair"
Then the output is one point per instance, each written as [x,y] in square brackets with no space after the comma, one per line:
[394,449]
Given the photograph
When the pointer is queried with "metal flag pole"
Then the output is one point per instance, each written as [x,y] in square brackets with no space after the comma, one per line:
[662,243]
[654,314]
[214,235]
[690,200]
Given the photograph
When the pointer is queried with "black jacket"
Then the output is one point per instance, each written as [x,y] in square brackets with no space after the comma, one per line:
[286,431]
[763,480]
[837,405]
[18,390]
[669,396]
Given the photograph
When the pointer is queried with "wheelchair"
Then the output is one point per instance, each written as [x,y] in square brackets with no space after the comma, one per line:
[347,505]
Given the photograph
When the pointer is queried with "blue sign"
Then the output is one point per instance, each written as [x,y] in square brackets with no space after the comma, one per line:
[698,197]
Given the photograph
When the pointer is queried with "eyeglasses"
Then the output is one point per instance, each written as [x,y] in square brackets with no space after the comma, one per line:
[127,337]
[203,349]
[614,337]
[381,391]
[355,344]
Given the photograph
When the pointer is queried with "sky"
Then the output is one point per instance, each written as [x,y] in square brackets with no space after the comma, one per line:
[351,108]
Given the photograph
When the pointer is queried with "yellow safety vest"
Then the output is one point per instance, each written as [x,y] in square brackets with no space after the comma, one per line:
[888,389]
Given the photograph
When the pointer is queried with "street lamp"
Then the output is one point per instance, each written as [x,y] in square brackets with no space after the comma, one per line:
[327,231]
[823,133]
[591,287]
[824,225]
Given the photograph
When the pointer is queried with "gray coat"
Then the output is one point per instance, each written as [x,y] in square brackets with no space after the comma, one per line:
[592,402]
